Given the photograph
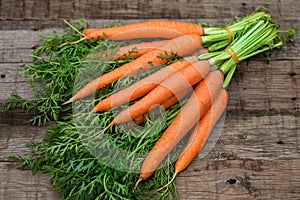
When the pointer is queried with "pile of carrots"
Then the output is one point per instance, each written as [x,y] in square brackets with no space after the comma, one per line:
[203,76]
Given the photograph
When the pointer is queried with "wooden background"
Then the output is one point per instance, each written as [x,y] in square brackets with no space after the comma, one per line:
[258,153]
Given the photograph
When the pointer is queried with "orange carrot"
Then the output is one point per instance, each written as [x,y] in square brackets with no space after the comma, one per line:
[134,50]
[141,87]
[182,45]
[196,106]
[185,78]
[200,134]
[200,51]
[202,131]
[175,98]
[148,29]
[166,104]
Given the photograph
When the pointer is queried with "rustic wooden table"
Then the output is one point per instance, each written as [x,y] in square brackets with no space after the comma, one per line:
[258,153]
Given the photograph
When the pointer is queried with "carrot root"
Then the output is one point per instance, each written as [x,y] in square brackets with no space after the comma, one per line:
[173,178]
[75,42]
[196,106]
[67,102]
[138,181]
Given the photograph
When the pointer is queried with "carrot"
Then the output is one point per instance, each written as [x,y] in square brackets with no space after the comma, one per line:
[167,103]
[148,29]
[200,51]
[134,50]
[196,106]
[200,134]
[182,45]
[175,98]
[141,87]
[185,78]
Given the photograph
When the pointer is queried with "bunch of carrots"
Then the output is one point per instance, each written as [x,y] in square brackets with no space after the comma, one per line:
[205,76]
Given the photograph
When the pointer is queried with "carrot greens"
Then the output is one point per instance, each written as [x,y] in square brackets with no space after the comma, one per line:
[257,38]
[53,72]
[74,172]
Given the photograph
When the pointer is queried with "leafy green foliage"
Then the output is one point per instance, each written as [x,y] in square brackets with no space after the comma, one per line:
[51,76]
[77,174]
[76,166]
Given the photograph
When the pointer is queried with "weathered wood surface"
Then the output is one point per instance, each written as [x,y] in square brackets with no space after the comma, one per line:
[21,184]
[131,9]
[241,180]
[258,153]
[246,163]
[263,88]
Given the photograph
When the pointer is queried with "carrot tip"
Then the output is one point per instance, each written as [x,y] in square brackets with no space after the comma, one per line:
[63,44]
[138,181]
[69,101]
[75,42]
[93,111]
[106,128]
[100,133]
[174,176]
[81,39]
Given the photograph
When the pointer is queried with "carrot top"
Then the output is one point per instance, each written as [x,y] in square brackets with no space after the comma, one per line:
[258,38]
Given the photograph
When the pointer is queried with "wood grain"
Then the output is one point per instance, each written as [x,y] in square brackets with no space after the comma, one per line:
[22,184]
[244,164]
[239,138]
[257,155]
[204,179]
[23,36]
[257,86]
[14,139]
[243,179]
[12,82]
[118,9]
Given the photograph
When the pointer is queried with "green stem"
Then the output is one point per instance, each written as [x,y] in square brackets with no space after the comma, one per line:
[223,35]
[72,27]
[256,38]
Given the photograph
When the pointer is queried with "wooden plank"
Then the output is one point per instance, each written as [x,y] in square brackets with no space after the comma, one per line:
[15,39]
[34,25]
[21,88]
[118,9]
[21,184]
[12,82]
[243,136]
[16,55]
[266,87]
[37,25]
[255,157]
[23,39]
[240,179]
[15,137]
[259,136]
[15,117]
[257,86]
[204,179]
[10,73]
